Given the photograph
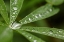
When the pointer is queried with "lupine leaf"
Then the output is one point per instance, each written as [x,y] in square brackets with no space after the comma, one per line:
[5,34]
[15,6]
[40,13]
[53,32]
[30,37]
[3,11]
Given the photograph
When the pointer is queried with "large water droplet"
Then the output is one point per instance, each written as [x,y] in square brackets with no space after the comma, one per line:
[15,25]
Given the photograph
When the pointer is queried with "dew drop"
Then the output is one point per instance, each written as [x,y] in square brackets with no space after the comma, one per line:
[50,10]
[13,16]
[47,11]
[25,21]
[13,12]
[30,19]
[15,8]
[35,40]
[63,36]
[15,25]
[39,15]
[60,31]
[33,30]
[43,32]
[50,33]
[36,16]
[30,37]
[15,1]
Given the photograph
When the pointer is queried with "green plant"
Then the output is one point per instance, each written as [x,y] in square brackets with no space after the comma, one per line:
[6,29]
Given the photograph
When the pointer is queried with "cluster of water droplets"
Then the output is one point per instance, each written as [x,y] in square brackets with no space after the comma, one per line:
[36,16]
[13,8]
[31,37]
[58,33]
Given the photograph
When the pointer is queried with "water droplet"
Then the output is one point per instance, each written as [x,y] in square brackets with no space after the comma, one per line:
[60,35]
[35,40]
[63,36]
[15,8]
[15,1]
[27,29]
[43,32]
[30,19]
[50,10]
[13,16]
[30,37]
[25,21]
[50,33]
[15,25]
[13,12]
[47,11]
[39,15]
[33,30]
[60,31]
[36,16]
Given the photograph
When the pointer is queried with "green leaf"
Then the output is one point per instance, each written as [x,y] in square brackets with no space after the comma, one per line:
[40,13]
[53,32]
[15,6]
[30,37]
[55,2]
[5,34]
[3,11]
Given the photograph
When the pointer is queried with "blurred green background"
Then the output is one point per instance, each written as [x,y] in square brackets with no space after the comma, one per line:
[56,21]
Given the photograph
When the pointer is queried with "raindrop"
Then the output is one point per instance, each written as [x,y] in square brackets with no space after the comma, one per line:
[15,25]
[47,11]
[43,32]
[33,30]
[36,16]
[30,37]
[50,10]
[35,40]
[60,35]
[15,1]
[60,31]
[15,8]
[63,36]
[25,21]
[13,12]
[50,33]
[39,15]
[27,29]
[13,16]
[30,19]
